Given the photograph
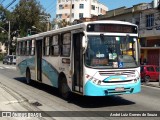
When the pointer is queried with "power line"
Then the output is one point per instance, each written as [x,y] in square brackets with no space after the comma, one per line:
[50,5]
[2,2]
[10,4]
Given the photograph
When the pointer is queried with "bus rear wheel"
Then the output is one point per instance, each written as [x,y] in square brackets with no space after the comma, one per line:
[28,76]
[64,90]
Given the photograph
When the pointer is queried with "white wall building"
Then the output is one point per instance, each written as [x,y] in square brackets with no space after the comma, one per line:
[2,48]
[80,9]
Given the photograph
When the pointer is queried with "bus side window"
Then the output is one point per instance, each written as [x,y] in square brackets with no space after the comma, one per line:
[46,46]
[28,47]
[66,44]
[54,46]
[32,47]
[23,47]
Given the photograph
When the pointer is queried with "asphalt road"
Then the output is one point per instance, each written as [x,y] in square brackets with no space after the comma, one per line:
[46,98]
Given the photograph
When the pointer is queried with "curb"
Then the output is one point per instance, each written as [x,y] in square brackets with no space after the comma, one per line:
[151,85]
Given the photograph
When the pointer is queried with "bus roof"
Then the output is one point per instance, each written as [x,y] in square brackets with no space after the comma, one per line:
[77,26]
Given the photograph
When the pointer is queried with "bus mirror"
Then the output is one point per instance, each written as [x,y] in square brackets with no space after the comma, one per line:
[84,44]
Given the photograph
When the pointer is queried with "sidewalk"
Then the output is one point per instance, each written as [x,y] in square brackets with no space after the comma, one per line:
[151,84]
[11,102]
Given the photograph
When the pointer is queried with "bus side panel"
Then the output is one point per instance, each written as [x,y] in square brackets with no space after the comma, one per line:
[49,72]
[23,63]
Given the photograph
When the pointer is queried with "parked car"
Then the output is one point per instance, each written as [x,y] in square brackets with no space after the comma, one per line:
[9,59]
[150,73]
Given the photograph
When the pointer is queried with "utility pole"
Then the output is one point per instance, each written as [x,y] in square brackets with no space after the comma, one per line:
[90,8]
[159,67]
[48,23]
[70,12]
[9,37]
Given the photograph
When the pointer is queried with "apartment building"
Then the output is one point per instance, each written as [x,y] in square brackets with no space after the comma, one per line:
[79,9]
[147,17]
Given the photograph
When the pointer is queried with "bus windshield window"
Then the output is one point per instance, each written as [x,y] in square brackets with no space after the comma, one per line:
[111,52]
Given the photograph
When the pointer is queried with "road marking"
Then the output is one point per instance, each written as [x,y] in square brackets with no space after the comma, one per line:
[7,67]
[1,68]
[11,67]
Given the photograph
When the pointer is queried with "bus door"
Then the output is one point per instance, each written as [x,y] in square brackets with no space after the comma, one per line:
[78,63]
[39,59]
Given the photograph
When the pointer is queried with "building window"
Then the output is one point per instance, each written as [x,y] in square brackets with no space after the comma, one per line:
[72,6]
[81,6]
[72,15]
[93,7]
[60,7]
[80,15]
[55,46]
[59,15]
[149,20]
[66,44]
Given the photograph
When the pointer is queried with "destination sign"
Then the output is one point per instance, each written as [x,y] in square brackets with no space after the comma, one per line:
[114,28]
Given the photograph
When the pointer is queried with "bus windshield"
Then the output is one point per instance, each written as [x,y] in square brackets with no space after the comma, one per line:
[111,52]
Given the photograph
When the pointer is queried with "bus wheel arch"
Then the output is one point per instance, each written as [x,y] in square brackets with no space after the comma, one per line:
[63,87]
[28,75]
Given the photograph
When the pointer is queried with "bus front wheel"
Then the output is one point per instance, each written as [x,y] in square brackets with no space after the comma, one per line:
[64,90]
[28,76]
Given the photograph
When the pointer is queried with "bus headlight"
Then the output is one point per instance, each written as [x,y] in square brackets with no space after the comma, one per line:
[136,80]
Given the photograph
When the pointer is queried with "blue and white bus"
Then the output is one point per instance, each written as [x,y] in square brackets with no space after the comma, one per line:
[98,58]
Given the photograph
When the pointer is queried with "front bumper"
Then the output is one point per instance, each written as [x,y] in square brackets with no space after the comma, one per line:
[92,89]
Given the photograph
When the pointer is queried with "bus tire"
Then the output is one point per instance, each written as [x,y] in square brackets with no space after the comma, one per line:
[28,76]
[64,90]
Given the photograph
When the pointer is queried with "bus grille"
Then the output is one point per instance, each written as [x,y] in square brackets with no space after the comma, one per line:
[117,72]
[113,91]
[122,81]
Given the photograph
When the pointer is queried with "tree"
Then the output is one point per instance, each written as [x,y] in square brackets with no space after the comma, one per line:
[4,16]
[27,14]
[63,23]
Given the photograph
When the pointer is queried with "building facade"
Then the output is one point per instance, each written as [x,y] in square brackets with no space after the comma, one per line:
[150,36]
[2,48]
[71,10]
[147,17]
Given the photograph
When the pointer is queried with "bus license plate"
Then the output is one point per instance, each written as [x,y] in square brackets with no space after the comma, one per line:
[119,89]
